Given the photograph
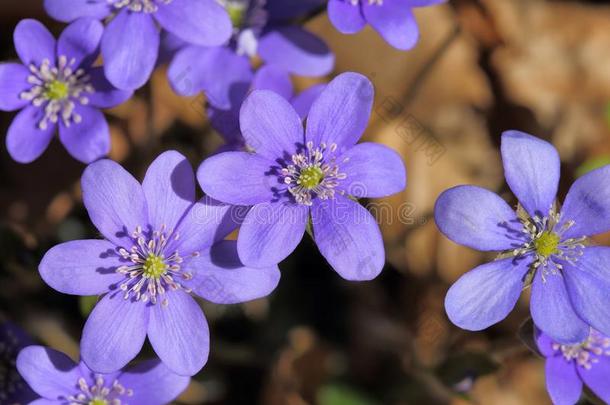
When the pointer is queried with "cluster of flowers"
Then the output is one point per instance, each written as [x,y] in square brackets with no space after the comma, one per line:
[545,247]
[275,179]
[210,45]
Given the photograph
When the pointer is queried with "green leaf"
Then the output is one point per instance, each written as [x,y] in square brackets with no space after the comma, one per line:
[342,395]
[592,164]
[86,304]
[309,227]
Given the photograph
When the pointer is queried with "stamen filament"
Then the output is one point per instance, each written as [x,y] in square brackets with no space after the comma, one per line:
[546,244]
[138,6]
[151,273]
[313,173]
[99,394]
[59,89]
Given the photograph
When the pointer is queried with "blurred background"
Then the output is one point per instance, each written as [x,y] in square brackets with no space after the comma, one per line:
[481,67]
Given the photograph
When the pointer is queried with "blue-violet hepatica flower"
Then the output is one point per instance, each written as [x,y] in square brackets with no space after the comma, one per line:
[392,19]
[130,44]
[57,88]
[268,77]
[58,380]
[569,366]
[258,32]
[540,244]
[161,246]
[293,175]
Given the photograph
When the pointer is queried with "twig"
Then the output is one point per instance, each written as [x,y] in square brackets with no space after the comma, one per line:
[425,70]
[148,93]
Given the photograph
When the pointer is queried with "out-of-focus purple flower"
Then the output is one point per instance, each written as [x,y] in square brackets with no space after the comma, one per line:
[289,10]
[269,77]
[568,367]
[292,175]
[540,244]
[13,389]
[57,88]
[58,380]
[130,44]
[223,71]
[392,19]
[161,245]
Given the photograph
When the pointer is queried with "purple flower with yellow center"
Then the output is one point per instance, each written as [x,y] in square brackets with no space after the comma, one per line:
[268,77]
[13,389]
[540,244]
[293,175]
[569,367]
[260,30]
[161,246]
[130,44]
[392,19]
[57,89]
[60,381]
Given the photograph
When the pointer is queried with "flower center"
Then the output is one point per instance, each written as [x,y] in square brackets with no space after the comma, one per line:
[151,273]
[313,173]
[58,89]
[139,6]
[310,177]
[370,2]
[587,353]
[99,393]
[547,244]
[154,266]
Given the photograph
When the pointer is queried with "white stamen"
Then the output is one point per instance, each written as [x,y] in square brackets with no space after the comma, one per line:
[567,250]
[72,85]
[247,43]
[371,2]
[587,353]
[138,6]
[321,159]
[151,273]
[99,392]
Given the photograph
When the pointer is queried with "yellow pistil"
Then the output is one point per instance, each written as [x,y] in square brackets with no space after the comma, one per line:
[547,244]
[98,401]
[154,266]
[310,177]
[56,90]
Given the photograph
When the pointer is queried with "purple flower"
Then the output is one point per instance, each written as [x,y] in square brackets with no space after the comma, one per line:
[286,10]
[269,77]
[130,44]
[258,32]
[294,175]
[392,19]
[57,88]
[568,367]
[58,380]
[13,390]
[160,247]
[541,245]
